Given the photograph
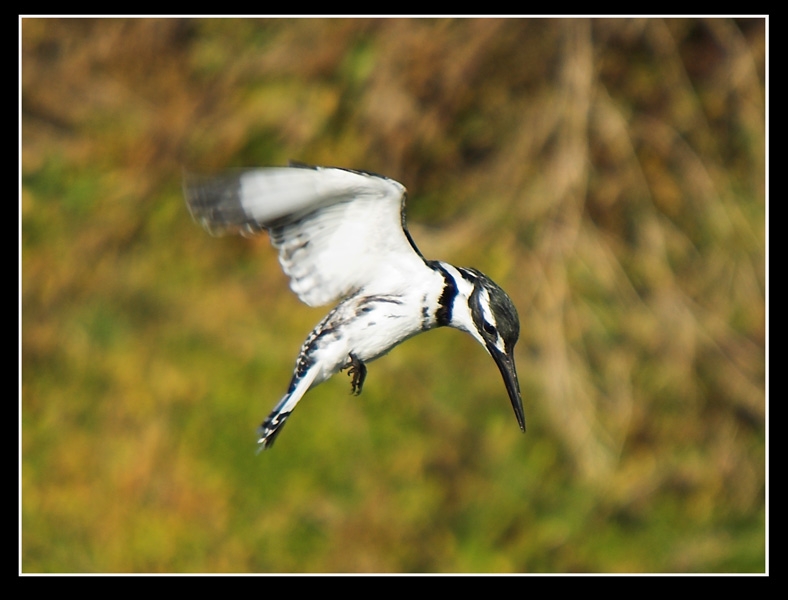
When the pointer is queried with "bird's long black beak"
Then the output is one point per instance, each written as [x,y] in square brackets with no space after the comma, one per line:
[506,366]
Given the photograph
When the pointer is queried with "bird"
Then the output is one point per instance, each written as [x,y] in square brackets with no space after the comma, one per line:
[342,238]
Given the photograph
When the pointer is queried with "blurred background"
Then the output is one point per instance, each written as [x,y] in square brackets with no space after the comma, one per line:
[608,173]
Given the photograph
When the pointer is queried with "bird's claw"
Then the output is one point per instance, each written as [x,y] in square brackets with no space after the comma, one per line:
[358,371]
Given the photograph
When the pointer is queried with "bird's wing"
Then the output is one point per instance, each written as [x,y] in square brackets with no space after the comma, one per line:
[336,230]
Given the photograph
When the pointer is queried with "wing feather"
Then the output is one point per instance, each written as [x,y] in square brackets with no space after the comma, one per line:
[336,230]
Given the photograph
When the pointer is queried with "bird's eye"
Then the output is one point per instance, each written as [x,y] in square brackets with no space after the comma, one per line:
[489,328]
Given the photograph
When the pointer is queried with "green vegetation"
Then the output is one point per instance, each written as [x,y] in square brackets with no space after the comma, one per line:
[609,174]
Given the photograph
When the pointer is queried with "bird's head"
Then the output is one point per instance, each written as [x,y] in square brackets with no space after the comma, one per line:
[485,311]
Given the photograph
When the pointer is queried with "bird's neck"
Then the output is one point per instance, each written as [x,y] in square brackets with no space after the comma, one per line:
[451,301]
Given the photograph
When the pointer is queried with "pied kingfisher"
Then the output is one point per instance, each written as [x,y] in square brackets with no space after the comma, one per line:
[341,235]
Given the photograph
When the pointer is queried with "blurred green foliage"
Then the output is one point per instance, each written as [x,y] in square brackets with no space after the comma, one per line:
[608,173]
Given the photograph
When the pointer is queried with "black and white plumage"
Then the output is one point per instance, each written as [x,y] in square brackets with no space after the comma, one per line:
[341,236]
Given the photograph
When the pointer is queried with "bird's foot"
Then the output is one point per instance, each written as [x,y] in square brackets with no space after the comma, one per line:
[358,371]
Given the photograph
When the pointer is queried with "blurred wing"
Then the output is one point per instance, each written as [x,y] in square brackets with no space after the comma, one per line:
[336,230]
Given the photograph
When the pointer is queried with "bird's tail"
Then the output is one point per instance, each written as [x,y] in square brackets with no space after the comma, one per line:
[272,426]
